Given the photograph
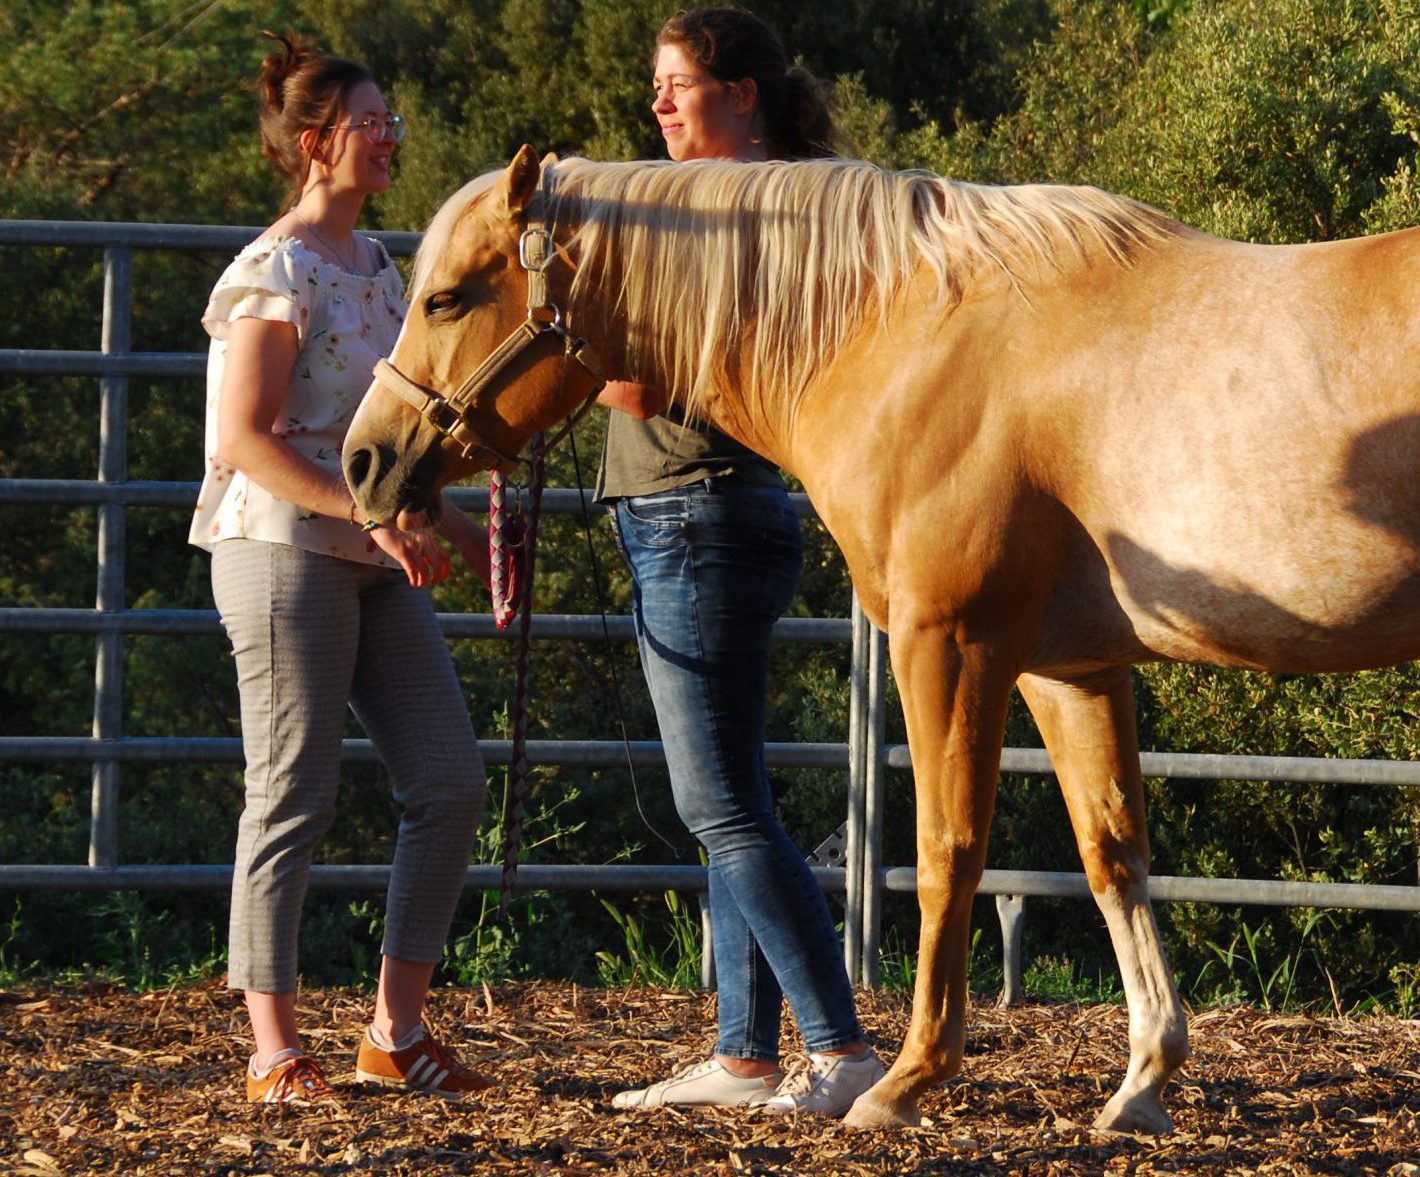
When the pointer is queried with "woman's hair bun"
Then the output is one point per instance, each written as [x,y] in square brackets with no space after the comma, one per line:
[279,65]
[302,90]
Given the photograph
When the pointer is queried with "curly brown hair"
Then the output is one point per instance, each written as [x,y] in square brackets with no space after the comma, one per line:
[731,45]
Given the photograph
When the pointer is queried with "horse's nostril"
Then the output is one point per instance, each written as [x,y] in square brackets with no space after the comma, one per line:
[358,467]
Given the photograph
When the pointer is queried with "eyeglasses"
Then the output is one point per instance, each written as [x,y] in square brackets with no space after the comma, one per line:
[377,130]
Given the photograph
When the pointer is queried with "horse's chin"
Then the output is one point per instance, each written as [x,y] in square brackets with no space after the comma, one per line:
[418,516]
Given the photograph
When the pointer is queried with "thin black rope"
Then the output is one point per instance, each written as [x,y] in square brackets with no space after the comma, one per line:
[610,649]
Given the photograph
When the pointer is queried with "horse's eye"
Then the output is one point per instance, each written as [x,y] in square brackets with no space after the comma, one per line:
[443,300]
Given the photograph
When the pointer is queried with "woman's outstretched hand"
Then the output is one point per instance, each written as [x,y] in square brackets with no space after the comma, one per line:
[468,537]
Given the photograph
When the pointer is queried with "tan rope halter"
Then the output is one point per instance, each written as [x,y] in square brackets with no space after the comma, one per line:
[451,414]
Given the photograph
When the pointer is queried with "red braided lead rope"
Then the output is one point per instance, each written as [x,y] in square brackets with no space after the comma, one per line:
[518,574]
[506,533]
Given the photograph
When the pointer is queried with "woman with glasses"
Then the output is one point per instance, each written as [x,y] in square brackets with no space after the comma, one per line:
[715,550]
[323,608]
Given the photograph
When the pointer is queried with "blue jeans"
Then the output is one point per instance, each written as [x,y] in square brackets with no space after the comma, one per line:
[714,564]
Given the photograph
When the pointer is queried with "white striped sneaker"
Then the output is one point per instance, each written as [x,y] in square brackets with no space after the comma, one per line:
[421,1065]
[706,1084]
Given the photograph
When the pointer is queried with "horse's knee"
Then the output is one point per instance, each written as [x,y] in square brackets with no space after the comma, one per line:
[1114,865]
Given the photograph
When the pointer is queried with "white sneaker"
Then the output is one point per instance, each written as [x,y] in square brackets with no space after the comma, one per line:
[705,1084]
[827,1085]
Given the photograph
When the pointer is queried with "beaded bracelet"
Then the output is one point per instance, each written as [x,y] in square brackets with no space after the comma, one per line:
[368,525]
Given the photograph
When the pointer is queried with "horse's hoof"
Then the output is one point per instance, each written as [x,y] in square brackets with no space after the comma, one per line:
[1141,1114]
[870,1112]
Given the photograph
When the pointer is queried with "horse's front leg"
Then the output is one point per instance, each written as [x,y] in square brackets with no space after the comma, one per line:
[954,699]
[1089,728]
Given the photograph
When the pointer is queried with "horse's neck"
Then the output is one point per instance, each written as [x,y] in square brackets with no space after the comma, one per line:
[597,316]
[723,404]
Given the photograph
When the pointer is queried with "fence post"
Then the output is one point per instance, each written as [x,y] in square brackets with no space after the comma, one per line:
[875,762]
[707,943]
[112,523]
[1011,911]
[857,774]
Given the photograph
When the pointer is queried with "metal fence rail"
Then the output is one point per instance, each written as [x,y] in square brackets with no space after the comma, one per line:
[862,877]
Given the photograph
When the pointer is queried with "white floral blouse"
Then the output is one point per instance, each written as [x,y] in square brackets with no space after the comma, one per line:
[344,323]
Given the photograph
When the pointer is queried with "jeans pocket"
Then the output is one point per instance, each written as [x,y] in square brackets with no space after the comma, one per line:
[653,521]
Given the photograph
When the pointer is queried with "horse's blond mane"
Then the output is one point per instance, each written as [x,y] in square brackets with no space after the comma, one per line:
[791,258]
[771,268]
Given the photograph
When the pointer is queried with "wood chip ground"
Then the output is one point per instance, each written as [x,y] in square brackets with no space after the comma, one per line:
[99,1080]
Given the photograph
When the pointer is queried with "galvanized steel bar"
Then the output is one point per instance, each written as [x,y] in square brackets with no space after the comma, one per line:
[113,468]
[1215,767]
[556,500]
[874,806]
[228,750]
[857,775]
[55,362]
[550,626]
[1011,912]
[371,877]
[75,492]
[707,939]
[1243,892]
[143,235]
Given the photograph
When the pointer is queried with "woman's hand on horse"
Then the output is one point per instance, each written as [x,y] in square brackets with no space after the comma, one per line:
[419,553]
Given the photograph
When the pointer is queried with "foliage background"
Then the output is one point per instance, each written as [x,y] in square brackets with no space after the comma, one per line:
[1270,120]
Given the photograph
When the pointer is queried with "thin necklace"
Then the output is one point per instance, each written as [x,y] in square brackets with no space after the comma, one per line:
[328,243]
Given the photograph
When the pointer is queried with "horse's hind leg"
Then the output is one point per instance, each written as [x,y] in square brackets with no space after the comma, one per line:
[954,700]
[1089,728]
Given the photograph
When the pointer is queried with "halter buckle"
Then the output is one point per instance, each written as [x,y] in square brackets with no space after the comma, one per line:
[441,414]
[535,250]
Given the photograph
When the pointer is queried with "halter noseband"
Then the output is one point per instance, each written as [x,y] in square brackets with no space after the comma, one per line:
[450,415]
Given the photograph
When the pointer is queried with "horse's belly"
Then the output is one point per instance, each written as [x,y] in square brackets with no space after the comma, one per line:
[1341,601]
[1265,522]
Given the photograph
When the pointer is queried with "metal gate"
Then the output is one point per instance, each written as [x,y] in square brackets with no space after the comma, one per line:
[858,872]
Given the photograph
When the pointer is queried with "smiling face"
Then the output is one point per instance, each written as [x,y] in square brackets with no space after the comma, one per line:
[700,116]
[356,161]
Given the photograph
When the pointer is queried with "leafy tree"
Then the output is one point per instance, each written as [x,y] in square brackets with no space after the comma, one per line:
[1276,120]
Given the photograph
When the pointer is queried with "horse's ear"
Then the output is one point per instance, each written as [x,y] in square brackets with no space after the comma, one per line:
[521,180]
[549,159]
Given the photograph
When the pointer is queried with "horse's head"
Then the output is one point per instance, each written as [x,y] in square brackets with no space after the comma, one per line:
[483,361]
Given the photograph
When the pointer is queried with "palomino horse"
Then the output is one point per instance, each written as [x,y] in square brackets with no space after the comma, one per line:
[1053,431]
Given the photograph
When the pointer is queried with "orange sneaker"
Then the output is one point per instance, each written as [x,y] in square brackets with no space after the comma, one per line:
[296,1079]
[424,1065]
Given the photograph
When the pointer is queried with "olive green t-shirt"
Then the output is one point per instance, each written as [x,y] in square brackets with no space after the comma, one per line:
[665,451]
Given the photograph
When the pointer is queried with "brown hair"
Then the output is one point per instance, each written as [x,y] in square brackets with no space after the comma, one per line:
[301,89]
[730,45]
